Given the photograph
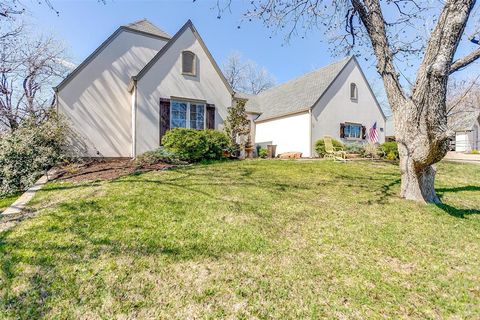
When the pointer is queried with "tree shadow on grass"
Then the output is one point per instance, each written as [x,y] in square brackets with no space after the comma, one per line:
[453,211]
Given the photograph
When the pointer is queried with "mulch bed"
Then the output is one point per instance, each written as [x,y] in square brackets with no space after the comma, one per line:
[104,170]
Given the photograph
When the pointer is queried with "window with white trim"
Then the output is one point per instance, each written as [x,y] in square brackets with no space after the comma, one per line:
[352,131]
[188,63]
[353,91]
[184,114]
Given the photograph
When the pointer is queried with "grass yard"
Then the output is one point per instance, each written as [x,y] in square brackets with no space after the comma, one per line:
[251,239]
[6,201]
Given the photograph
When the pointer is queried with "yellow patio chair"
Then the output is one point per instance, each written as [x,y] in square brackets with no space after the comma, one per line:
[332,152]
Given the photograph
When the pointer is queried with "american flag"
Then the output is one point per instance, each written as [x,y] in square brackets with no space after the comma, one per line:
[372,133]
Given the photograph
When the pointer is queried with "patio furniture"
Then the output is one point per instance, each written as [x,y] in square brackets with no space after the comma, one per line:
[331,152]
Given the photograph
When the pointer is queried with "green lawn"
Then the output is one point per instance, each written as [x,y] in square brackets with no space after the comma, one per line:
[251,239]
[6,201]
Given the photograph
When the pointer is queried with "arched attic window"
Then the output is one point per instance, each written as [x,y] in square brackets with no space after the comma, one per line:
[353,91]
[188,63]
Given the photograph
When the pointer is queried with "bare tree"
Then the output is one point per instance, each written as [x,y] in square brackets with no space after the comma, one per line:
[395,30]
[246,76]
[463,96]
[10,9]
[29,66]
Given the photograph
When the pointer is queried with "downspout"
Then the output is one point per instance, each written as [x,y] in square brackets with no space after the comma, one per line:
[310,132]
[134,119]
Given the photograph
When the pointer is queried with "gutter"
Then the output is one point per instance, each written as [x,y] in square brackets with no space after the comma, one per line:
[310,133]
[134,116]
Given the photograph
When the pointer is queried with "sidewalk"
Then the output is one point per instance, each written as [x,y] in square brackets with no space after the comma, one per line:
[463,157]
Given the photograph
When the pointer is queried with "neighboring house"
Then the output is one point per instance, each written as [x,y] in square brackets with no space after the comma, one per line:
[389,129]
[466,125]
[141,82]
[335,100]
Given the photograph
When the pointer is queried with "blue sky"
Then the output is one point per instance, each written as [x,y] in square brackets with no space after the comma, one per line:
[84,25]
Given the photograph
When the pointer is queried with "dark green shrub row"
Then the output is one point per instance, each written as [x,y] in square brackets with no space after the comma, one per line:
[196,145]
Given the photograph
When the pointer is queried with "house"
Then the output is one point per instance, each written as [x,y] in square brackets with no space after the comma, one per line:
[141,82]
[335,100]
[466,125]
[389,129]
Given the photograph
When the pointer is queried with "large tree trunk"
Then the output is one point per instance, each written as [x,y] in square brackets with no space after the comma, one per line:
[420,118]
[422,142]
[418,182]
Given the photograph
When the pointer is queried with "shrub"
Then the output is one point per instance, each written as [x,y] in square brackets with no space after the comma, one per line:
[320,146]
[390,150]
[371,150]
[262,152]
[475,151]
[196,145]
[157,156]
[354,148]
[237,127]
[28,151]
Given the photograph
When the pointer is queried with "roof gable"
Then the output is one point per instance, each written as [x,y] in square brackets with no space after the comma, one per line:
[185,27]
[142,27]
[463,119]
[146,26]
[301,94]
[296,95]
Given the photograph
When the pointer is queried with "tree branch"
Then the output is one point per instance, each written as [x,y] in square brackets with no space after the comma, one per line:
[370,14]
[465,61]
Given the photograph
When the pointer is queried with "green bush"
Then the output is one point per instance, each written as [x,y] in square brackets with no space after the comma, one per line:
[475,151]
[262,152]
[196,145]
[320,146]
[389,150]
[28,151]
[157,156]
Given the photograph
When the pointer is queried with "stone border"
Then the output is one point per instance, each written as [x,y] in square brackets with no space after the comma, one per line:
[15,212]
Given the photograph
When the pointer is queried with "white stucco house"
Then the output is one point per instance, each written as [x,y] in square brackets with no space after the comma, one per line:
[141,82]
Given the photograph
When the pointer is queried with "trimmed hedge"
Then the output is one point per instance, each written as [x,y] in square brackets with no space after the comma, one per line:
[320,146]
[196,145]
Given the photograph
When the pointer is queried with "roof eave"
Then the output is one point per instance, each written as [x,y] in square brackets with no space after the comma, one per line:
[132,83]
[99,49]
[287,114]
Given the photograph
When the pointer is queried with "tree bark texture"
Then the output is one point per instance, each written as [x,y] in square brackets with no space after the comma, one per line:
[420,119]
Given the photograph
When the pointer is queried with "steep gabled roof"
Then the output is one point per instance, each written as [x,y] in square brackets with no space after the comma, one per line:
[300,94]
[463,119]
[142,27]
[186,26]
[296,95]
[146,26]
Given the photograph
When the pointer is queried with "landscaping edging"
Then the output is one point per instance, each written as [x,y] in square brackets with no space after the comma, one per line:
[15,212]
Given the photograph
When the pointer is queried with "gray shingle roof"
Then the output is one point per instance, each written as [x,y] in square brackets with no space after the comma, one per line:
[295,95]
[146,26]
[463,120]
